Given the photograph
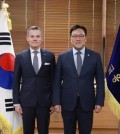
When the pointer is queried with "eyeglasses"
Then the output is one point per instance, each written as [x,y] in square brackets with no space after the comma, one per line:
[78,36]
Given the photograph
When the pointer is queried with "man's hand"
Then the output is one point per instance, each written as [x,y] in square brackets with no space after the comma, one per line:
[52,109]
[98,108]
[18,109]
[58,108]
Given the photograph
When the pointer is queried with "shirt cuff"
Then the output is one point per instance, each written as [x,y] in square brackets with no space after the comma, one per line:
[15,105]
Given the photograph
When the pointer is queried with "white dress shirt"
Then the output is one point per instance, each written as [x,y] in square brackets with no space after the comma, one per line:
[82,54]
[39,56]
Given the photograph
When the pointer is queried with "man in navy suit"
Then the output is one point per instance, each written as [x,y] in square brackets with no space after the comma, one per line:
[32,99]
[73,92]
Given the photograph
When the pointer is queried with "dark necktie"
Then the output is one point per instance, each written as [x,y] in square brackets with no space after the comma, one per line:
[35,61]
[79,62]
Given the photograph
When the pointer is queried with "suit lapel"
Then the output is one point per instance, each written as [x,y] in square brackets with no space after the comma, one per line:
[86,60]
[43,58]
[28,59]
[71,61]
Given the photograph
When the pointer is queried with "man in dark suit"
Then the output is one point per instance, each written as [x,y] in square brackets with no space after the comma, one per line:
[73,92]
[34,67]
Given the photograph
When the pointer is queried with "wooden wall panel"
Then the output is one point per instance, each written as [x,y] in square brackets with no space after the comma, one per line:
[56,18]
[17,14]
[56,38]
[87,13]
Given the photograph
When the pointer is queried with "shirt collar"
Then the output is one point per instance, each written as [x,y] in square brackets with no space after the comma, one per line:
[32,50]
[82,51]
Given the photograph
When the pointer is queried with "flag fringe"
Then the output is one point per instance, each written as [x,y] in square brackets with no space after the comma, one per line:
[5,126]
[18,130]
[112,102]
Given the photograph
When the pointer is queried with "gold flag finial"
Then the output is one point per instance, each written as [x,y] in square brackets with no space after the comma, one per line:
[4,7]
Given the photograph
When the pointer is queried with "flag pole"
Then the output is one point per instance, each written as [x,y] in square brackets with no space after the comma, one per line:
[103,31]
[10,122]
[119,126]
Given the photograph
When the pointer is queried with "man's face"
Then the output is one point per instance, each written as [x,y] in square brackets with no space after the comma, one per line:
[78,39]
[34,38]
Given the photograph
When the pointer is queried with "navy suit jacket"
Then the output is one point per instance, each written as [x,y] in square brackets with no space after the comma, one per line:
[35,88]
[67,83]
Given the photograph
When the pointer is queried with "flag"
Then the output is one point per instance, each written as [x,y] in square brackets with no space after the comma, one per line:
[10,121]
[113,78]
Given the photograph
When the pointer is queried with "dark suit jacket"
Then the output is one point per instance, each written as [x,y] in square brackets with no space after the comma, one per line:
[68,84]
[35,88]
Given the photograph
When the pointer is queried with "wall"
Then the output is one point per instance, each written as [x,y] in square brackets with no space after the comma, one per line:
[56,18]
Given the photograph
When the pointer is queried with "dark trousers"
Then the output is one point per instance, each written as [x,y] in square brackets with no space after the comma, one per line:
[42,114]
[83,118]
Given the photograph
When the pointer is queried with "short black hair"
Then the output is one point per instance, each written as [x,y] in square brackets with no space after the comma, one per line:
[77,27]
